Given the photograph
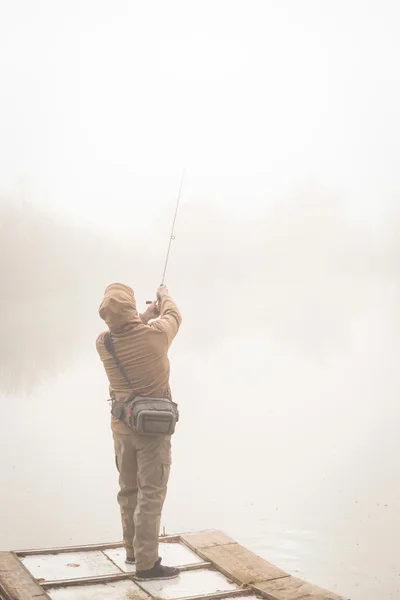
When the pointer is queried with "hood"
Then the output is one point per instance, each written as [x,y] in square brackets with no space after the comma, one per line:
[118,308]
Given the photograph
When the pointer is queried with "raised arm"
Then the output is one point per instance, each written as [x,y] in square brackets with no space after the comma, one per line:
[169,318]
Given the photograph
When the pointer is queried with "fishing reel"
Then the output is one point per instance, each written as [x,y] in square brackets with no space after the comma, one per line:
[158,299]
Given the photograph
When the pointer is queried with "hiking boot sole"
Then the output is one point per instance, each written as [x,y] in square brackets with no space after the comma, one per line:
[161,577]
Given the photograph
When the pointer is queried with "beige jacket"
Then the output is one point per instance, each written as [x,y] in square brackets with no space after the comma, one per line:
[142,349]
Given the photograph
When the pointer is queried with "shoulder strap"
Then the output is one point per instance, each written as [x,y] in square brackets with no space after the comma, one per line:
[109,346]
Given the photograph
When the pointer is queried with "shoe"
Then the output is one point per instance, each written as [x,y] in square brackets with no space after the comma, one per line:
[158,572]
[130,560]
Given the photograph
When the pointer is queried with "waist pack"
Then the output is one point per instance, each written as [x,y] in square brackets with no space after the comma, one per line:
[147,416]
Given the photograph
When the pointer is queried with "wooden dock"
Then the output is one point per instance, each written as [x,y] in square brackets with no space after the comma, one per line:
[214,567]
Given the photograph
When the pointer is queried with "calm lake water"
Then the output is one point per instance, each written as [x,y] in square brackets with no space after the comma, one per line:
[297,458]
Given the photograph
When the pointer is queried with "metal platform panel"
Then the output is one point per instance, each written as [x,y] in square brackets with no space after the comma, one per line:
[190,583]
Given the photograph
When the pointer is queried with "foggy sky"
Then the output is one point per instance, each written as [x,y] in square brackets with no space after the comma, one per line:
[102,106]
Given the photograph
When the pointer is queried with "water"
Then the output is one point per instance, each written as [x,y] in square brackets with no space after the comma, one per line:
[285,371]
[292,469]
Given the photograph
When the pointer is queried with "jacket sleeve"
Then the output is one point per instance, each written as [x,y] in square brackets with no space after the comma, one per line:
[100,345]
[169,321]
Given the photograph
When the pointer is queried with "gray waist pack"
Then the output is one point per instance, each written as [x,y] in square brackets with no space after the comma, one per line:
[147,416]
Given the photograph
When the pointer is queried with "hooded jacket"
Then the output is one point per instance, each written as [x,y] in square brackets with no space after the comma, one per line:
[142,349]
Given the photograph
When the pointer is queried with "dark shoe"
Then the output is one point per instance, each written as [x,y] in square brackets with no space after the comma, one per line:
[158,572]
[130,560]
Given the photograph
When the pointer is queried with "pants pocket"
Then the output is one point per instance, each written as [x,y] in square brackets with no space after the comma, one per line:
[165,471]
[165,451]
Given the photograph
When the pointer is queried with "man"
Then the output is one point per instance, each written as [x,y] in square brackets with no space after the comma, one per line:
[143,461]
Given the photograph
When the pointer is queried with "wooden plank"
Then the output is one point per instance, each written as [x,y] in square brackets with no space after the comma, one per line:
[291,588]
[205,539]
[88,547]
[16,583]
[240,564]
[56,583]
[137,592]
[67,549]
[122,590]
[221,595]
[82,581]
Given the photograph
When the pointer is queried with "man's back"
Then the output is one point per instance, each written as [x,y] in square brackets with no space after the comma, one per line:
[142,348]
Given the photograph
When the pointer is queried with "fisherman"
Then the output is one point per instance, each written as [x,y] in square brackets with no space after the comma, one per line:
[141,342]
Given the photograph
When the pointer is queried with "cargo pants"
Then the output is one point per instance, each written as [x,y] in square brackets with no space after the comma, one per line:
[143,463]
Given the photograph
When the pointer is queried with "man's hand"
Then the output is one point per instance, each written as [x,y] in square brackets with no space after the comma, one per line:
[152,312]
[162,292]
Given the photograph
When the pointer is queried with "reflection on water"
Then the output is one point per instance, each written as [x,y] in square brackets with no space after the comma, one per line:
[285,373]
[302,474]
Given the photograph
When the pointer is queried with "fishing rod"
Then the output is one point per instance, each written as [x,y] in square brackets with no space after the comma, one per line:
[172,236]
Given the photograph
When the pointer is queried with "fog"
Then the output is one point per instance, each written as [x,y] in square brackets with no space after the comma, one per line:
[285,267]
